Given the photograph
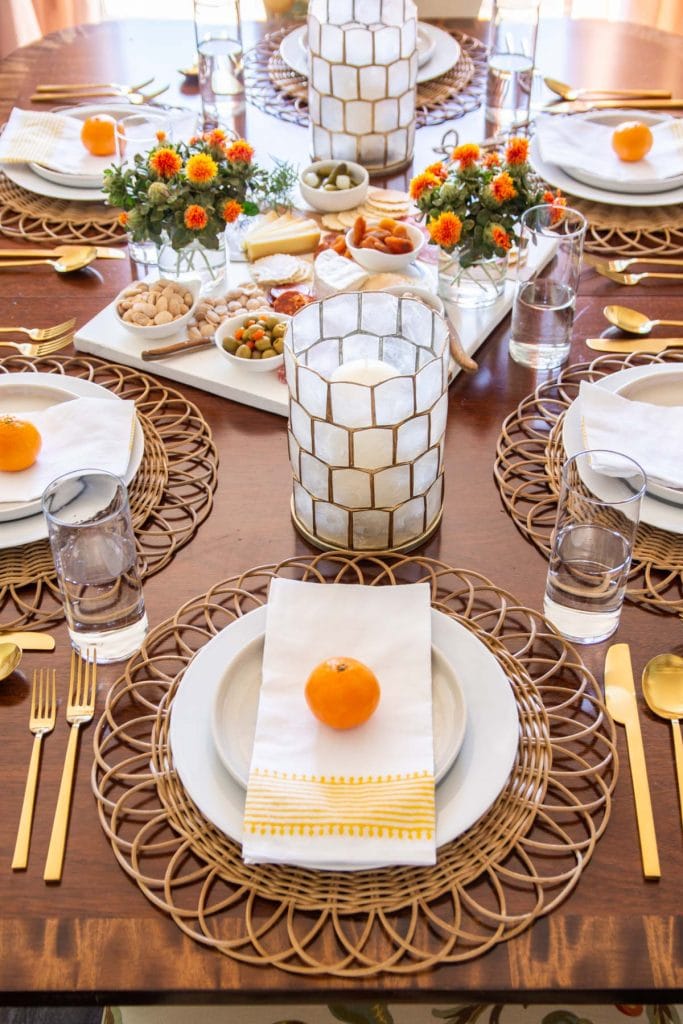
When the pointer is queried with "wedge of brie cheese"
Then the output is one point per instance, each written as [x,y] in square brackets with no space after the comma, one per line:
[334,273]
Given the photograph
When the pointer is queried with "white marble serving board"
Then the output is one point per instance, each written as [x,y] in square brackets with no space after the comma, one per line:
[205,369]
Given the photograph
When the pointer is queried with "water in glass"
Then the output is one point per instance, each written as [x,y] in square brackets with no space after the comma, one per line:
[508,87]
[221,81]
[542,319]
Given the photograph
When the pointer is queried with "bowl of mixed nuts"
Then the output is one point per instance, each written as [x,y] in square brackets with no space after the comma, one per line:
[157,309]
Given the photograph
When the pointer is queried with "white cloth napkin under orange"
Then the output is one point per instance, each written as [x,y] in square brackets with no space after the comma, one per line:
[87,433]
[650,434]
[357,798]
[52,140]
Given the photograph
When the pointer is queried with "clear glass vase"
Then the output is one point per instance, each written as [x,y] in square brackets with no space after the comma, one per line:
[471,287]
[195,260]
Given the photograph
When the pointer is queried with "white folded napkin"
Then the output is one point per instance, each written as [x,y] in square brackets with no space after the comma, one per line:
[650,434]
[345,800]
[52,140]
[574,142]
[87,433]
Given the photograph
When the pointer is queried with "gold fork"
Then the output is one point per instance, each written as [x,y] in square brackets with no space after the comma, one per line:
[79,711]
[45,348]
[136,98]
[41,333]
[41,722]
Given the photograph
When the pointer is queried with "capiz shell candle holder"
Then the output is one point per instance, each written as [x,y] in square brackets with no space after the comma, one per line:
[362,81]
[367,374]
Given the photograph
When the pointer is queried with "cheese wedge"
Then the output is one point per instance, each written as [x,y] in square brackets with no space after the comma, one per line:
[270,222]
[334,273]
[296,236]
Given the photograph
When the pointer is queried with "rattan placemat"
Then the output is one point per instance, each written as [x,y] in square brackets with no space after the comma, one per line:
[170,495]
[528,468]
[631,231]
[272,86]
[35,218]
[516,864]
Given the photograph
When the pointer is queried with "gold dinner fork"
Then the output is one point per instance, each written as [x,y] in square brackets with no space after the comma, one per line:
[79,711]
[41,722]
[80,86]
[41,333]
[631,279]
[45,348]
[136,98]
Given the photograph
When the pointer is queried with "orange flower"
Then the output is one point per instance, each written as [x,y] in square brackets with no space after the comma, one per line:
[422,183]
[195,217]
[558,204]
[517,150]
[231,211]
[445,230]
[467,154]
[160,135]
[122,218]
[438,170]
[215,138]
[240,152]
[201,169]
[491,160]
[502,187]
[500,237]
[165,162]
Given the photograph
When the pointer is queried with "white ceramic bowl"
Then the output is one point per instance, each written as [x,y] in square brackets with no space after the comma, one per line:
[157,331]
[333,202]
[228,328]
[379,262]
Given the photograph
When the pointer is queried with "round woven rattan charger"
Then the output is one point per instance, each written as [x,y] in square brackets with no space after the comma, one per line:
[528,469]
[170,495]
[631,231]
[517,863]
[274,87]
[35,218]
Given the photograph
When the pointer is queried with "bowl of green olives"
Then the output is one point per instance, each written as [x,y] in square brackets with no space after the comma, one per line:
[333,185]
[253,341]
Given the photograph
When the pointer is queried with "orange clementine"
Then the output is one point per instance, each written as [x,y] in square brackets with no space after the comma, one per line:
[342,692]
[97,135]
[20,443]
[631,141]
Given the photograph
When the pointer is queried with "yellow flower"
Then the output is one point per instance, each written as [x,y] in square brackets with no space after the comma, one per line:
[195,217]
[517,150]
[422,183]
[165,162]
[201,169]
[467,154]
[445,230]
[231,211]
[502,187]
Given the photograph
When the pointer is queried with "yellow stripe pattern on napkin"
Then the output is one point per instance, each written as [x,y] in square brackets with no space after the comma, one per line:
[386,806]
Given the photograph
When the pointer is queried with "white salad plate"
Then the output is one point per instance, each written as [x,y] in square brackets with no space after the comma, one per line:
[82,181]
[27,530]
[237,698]
[475,780]
[445,51]
[426,43]
[655,510]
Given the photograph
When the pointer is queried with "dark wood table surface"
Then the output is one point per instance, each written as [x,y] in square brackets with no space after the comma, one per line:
[95,936]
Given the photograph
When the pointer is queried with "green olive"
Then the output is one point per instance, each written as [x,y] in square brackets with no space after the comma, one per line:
[279,346]
[263,343]
[279,330]
[243,352]
[268,353]
[255,354]
[231,345]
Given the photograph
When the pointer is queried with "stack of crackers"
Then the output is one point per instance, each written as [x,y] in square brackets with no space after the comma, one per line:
[379,203]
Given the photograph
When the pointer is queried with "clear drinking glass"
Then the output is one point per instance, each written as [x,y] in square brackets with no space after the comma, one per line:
[592,545]
[218,33]
[93,547]
[545,295]
[139,133]
[512,52]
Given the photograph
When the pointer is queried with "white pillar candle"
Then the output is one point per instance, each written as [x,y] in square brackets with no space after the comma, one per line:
[363,371]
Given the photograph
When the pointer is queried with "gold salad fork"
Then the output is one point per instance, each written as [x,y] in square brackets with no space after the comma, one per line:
[136,98]
[81,86]
[41,333]
[45,348]
[41,722]
[79,711]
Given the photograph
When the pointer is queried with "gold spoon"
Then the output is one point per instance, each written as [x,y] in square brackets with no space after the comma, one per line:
[79,257]
[10,656]
[633,322]
[663,690]
[569,94]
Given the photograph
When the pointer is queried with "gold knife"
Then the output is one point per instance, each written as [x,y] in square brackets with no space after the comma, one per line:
[29,641]
[104,252]
[582,106]
[620,696]
[650,346]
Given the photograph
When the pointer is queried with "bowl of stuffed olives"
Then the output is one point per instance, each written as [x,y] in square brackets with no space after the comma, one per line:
[253,341]
[333,185]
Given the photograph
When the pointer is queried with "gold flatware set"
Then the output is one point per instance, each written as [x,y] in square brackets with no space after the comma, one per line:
[45,341]
[56,93]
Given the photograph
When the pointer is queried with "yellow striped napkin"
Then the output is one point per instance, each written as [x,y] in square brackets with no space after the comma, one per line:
[352,799]
[53,140]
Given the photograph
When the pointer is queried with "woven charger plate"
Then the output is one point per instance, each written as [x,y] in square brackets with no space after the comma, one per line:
[517,863]
[35,218]
[631,231]
[528,471]
[170,495]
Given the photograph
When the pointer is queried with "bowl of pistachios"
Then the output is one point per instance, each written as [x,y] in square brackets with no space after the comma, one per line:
[333,185]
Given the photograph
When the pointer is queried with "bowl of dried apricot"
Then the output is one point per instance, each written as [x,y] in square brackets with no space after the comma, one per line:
[157,309]
[384,245]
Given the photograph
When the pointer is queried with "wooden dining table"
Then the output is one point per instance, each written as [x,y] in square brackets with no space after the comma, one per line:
[94,937]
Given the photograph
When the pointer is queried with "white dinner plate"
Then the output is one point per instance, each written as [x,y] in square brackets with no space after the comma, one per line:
[445,52]
[26,531]
[83,181]
[654,510]
[476,779]
[21,397]
[559,178]
[236,707]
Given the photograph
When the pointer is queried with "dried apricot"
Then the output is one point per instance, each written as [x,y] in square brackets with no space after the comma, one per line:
[20,443]
[359,228]
[342,692]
